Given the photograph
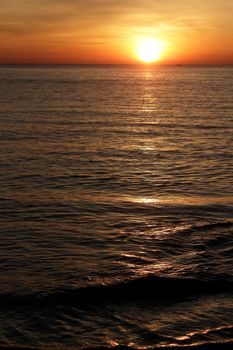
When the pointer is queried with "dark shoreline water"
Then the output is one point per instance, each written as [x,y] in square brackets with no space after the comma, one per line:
[203,346]
[116,207]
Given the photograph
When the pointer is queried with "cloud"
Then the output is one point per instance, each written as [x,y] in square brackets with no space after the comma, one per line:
[66,15]
[107,22]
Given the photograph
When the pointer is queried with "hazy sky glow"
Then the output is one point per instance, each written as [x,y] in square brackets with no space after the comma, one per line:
[107,31]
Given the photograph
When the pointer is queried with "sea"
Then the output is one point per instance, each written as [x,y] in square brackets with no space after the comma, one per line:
[116,207]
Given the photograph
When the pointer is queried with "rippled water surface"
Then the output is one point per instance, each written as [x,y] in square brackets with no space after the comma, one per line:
[116,205]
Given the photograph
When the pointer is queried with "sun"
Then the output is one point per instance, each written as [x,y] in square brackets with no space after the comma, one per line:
[150,50]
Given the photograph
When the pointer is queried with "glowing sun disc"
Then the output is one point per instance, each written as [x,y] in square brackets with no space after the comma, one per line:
[149,50]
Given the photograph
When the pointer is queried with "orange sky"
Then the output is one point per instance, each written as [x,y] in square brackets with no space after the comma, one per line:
[107,31]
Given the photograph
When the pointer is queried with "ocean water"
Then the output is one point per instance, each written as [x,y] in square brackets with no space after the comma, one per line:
[116,206]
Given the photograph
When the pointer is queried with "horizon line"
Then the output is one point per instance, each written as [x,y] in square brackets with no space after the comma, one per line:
[114,64]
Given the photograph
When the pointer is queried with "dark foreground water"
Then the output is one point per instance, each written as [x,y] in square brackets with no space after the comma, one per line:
[116,206]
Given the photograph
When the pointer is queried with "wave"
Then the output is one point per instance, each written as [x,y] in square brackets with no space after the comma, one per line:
[223,345]
[210,226]
[143,288]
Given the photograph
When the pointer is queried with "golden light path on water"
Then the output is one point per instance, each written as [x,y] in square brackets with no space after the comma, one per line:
[182,200]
